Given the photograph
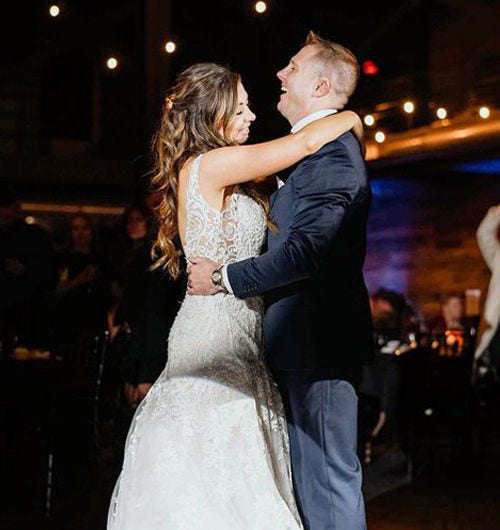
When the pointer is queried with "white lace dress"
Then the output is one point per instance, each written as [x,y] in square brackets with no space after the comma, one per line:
[207,448]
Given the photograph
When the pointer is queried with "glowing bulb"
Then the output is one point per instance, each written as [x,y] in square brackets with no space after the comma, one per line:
[54,10]
[170,47]
[369,120]
[260,7]
[441,113]
[112,63]
[379,137]
[450,340]
[409,107]
[484,112]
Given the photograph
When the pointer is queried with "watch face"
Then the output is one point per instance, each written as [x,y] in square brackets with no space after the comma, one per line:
[216,277]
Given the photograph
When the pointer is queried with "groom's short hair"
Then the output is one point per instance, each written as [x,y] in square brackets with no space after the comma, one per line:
[339,61]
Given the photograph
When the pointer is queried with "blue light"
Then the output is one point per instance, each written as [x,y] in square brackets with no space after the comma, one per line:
[487,167]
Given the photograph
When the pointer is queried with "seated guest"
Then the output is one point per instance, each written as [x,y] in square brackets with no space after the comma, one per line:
[390,313]
[380,382]
[452,315]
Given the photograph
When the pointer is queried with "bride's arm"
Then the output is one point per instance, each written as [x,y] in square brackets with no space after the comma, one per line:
[227,166]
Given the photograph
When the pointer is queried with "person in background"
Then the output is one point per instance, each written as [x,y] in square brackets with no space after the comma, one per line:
[452,315]
[81,301]
[28,274]
[487,352]
[380,386]
[82,296]
[388,310]
[145,304]
[133,231]
[145,312]
[128,246]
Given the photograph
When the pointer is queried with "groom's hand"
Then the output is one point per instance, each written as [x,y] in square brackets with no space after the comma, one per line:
[200,275]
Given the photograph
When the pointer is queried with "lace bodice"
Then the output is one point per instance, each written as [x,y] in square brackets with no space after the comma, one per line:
[236,233]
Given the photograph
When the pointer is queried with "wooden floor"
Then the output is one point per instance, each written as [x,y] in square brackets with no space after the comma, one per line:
[444,485]
[455,500]
[459,496]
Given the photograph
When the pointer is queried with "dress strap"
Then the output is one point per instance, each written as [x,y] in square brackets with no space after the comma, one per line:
[193,170]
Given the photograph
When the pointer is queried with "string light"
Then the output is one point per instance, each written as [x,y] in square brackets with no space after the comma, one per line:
[484,112]
[170,46]
[441,113]
[54,10]
[409,107]
[369,120]
[260,7]
[112,63]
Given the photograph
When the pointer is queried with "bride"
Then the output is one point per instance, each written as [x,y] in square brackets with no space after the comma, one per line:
[207,448]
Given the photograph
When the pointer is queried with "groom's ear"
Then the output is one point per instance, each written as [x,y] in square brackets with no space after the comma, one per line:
[323,87]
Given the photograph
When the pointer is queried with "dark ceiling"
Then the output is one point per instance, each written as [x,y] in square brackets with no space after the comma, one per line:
[67,50]
[64,57]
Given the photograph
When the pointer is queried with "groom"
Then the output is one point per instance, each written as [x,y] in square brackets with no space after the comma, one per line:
[317,325]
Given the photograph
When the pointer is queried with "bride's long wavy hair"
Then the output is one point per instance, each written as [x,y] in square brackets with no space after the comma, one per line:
[195,115]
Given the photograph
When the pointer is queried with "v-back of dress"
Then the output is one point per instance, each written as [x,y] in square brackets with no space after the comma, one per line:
[207,448]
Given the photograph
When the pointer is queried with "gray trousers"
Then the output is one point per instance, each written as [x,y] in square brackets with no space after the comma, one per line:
[322,418]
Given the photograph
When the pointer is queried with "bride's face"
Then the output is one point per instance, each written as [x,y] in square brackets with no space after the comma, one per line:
[238,129]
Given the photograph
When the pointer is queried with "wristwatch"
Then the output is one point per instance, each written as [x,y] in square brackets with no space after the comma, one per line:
[218,280]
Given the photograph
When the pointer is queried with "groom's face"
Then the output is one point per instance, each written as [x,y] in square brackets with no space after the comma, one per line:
[299,81]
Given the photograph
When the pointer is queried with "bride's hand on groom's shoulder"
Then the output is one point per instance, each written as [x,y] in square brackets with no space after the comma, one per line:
[359,132]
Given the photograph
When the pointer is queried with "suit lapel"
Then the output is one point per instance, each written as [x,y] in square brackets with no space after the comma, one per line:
[283,176]
[285,173]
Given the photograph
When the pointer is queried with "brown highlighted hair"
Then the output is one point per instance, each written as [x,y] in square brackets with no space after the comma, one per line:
[196,113]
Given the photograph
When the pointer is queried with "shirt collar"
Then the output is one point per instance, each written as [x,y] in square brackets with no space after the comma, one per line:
[314,116]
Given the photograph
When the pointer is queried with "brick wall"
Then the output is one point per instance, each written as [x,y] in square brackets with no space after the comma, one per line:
[421,234]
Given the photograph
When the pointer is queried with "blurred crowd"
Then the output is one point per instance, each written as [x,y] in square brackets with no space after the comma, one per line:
[56,292]
[463,330]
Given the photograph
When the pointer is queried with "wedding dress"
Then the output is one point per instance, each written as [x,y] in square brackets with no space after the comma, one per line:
[207,448]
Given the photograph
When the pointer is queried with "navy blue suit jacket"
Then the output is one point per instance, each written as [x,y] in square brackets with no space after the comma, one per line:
[317,305]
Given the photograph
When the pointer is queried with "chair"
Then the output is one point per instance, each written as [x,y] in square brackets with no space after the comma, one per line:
[75,451]
[379,402]
[26,429]
[437,404]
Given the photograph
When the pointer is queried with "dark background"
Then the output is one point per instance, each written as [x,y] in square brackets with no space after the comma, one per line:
[65,56]
[74,133]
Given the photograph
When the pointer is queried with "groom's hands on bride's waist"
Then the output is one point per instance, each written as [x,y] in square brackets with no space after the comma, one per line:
[200,270]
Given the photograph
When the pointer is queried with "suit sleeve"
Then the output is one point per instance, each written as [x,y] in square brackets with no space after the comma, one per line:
[323,189]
